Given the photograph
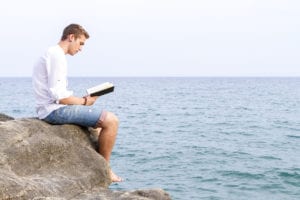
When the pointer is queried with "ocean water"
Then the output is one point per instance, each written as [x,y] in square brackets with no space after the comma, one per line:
[197,138]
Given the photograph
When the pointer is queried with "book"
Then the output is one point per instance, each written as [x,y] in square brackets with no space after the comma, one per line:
[101,89]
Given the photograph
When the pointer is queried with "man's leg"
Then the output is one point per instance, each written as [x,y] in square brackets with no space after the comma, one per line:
[109,126]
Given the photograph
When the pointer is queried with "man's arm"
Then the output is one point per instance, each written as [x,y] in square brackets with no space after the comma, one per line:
[72,100]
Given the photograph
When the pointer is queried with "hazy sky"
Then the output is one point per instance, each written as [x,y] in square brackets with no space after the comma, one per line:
[157,37]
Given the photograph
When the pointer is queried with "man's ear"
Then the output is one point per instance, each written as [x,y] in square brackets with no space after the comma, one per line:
[71,38]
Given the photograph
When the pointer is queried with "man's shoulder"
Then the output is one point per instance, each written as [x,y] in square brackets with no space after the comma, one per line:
[55,51]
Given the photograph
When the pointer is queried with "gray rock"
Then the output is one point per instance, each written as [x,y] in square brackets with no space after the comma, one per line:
[4,117]
[55,162]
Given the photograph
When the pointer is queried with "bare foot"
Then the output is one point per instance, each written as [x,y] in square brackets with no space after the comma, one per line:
[114,177]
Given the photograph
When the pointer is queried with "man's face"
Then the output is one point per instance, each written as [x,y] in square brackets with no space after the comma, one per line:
[75,44]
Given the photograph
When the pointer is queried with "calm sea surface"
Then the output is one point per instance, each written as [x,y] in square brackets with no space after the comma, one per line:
[197,138]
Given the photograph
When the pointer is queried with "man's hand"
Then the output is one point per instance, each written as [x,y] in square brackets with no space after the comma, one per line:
[90,100]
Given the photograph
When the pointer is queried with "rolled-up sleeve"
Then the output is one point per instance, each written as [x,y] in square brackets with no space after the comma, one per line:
[57,77]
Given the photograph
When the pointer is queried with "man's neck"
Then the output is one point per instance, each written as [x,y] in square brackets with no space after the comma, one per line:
[64,45]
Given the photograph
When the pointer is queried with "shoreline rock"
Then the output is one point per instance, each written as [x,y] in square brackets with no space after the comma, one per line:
[43,161]
[4,117]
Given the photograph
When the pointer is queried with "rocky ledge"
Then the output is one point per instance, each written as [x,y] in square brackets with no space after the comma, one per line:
[41,161]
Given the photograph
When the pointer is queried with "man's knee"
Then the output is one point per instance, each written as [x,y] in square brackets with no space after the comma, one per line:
[110,120]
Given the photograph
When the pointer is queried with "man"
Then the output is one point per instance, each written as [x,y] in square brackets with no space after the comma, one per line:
[57,105]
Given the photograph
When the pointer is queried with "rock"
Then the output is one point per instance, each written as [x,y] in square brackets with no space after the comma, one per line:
[57,162]
[4,117]
[121,195]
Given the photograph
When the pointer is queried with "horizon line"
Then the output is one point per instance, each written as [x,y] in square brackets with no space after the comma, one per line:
[204,76]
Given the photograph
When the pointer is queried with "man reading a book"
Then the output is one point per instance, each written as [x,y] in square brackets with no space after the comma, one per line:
[57,105]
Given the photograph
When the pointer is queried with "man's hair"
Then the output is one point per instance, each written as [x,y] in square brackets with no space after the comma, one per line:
[75,29]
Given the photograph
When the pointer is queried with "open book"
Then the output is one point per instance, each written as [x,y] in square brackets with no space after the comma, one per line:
[101,89]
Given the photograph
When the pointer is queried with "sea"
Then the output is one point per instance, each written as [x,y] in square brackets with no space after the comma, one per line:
[209,138]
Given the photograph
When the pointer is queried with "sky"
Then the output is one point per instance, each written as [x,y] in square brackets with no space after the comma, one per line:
[157,37]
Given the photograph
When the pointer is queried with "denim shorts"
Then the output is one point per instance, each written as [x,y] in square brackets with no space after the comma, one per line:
[85,116]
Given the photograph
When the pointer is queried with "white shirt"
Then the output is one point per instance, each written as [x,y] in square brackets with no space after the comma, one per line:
[49,81]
